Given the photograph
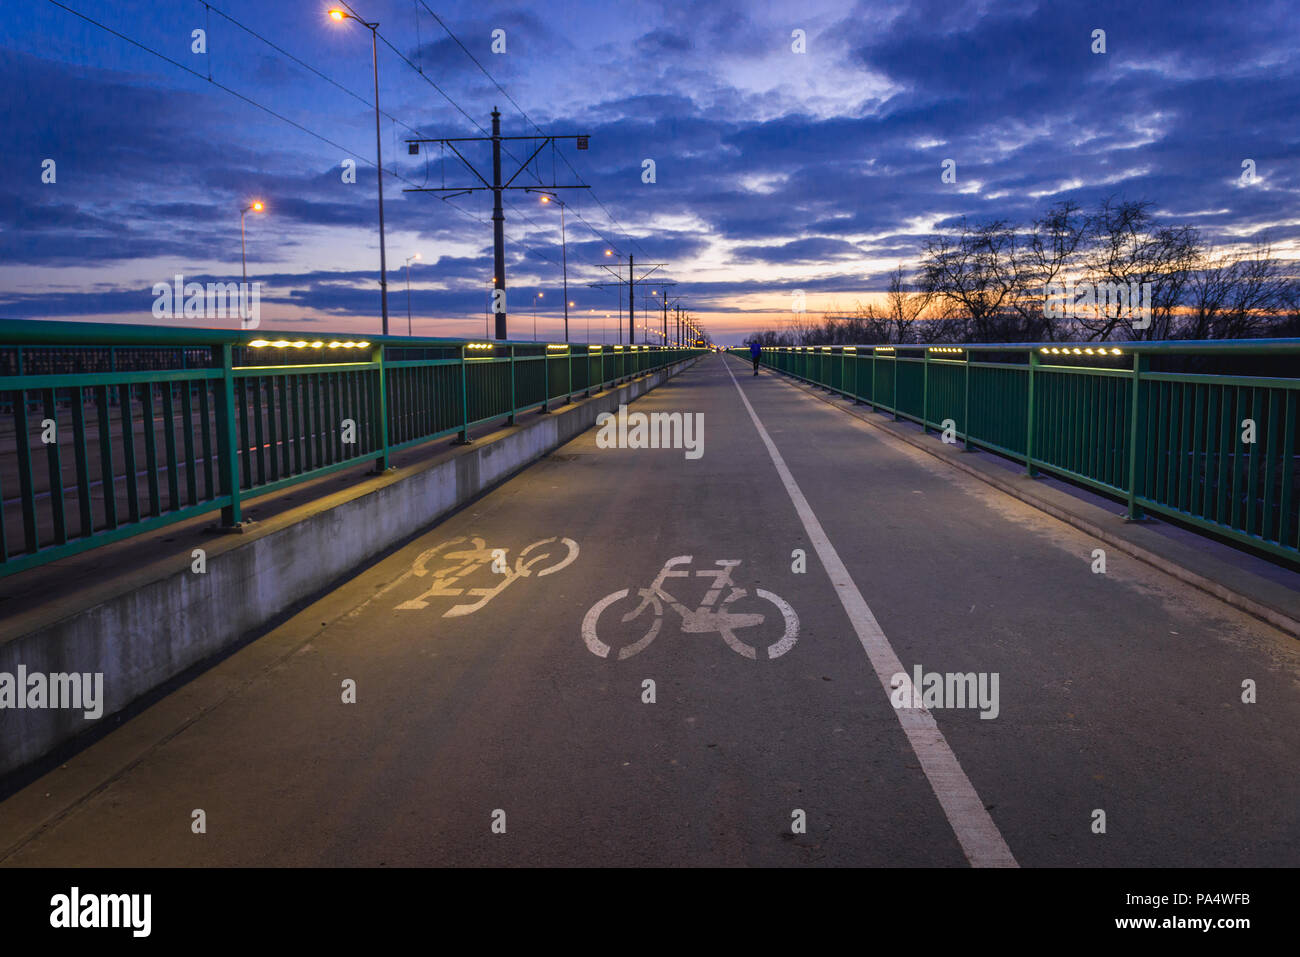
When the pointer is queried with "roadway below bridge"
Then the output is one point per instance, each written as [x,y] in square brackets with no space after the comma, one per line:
[637,656]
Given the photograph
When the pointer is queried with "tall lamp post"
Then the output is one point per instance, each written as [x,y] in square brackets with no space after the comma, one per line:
[339,16]
[536,296]
[256,206]
[564,251]
[408,290]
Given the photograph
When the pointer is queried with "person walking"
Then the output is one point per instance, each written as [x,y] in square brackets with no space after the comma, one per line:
[755,350]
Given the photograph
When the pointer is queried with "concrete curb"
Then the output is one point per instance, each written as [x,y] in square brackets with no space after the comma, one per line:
[1229,596]
[159,626]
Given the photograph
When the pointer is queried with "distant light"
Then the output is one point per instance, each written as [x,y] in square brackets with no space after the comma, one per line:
[546,199]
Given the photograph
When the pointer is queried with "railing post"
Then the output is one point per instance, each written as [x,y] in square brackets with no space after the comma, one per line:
[965,404]
[1135,447]
[463,438]
[513,402]
[894,355]
[546,381]
[227,440]
[1029,417]
[875,377]
[381,461]
[925,392]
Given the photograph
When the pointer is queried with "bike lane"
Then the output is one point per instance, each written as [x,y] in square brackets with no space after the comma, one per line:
[508,709]
[1118,692]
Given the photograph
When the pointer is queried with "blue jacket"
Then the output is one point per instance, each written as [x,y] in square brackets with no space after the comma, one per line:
[754,349]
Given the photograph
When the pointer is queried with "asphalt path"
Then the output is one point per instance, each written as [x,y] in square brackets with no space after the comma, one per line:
[511,716]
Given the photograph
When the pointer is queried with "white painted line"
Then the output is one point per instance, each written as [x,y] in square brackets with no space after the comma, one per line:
[979,837]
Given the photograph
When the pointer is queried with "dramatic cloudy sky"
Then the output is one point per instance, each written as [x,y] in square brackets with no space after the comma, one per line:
[776,170]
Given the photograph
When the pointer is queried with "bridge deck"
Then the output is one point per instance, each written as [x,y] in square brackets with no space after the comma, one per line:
[1118,691]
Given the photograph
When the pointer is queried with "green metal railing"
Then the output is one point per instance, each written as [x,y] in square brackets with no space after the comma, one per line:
[1211,439]
[116,430]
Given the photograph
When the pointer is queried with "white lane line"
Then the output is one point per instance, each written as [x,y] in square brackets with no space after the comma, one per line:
[979,837]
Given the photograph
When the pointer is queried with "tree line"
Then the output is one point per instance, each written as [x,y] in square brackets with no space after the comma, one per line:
[998,281]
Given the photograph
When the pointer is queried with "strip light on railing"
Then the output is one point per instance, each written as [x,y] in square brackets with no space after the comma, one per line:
[304,344]
[946,349]
[1074,350]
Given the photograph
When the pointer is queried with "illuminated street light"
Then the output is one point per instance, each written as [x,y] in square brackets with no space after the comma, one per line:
[338,16]
[256,207]
[564,252]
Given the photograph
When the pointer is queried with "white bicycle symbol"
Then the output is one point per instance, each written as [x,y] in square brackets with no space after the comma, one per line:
[469,559]
[710,616]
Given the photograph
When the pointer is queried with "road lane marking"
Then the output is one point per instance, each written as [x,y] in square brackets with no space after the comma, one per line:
[979,837]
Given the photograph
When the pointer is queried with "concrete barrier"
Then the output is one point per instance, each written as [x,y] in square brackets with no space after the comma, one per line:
[148,632]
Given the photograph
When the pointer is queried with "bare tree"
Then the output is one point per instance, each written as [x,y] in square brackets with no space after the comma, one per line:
[1048,250]
[904,305]
[974,271]
[1129,249]
[1236,295]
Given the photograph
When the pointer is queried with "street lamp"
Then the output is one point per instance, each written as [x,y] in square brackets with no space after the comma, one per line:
[536,296]
[256,206]
[564,254]
[408,290]
[338,16]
